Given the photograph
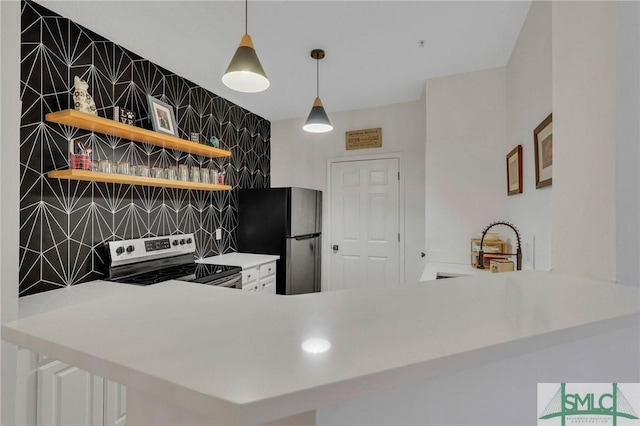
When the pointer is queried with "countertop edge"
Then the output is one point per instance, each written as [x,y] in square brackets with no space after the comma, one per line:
[317,397]
[326,395]
[225,412]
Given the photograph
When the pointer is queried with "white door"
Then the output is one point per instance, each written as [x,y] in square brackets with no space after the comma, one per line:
[365,230]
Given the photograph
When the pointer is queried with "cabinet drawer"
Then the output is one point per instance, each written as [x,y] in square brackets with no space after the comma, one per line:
[252,287]
[268,285]
[267,269]
[249,275]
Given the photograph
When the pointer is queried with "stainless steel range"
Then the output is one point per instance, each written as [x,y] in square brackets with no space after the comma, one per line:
[146,261]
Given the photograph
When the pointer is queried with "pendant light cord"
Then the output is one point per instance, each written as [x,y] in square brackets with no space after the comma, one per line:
[317,78]
[246,16]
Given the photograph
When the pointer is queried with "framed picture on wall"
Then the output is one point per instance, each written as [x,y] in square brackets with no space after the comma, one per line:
[514,171]
[162,117]
[543,147]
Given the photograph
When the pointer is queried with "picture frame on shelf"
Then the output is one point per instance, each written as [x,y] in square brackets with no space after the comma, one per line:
[543,148]
[514,171]
[123,115]
[162,116]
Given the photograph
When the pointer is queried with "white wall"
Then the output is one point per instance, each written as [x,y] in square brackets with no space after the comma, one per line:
[529,99]
[300,159]
[628,145]
[465,161]
[9,193]
[584,110]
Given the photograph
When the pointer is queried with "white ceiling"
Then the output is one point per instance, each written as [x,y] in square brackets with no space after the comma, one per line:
[373,52]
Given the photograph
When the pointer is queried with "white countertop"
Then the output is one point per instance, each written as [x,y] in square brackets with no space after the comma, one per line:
[243,260]
[432,269]
[237,357]
[67,296]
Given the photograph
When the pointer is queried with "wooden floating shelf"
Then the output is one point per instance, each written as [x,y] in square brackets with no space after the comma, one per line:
[82,120]
[90,176]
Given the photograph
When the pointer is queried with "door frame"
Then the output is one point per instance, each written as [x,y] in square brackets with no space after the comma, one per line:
[326,243]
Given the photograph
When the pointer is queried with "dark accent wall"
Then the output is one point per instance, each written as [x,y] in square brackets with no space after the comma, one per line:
[63,224]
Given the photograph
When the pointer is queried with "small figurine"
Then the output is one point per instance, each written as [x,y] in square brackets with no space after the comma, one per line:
[214,142]
[82,100]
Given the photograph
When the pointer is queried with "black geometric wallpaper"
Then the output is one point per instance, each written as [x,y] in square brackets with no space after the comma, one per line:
[63,224]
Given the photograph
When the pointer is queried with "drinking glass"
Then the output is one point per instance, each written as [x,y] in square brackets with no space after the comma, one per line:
[171,173]
[104,166]
[213,176]
[143,171]
[183,172]
[195,174]
[158,172]
[204,176]
[123,168]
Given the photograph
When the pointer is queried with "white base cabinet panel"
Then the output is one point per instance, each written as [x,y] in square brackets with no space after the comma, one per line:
[52,393]
[268,285]
[261,278]
[68,396]
[115,404]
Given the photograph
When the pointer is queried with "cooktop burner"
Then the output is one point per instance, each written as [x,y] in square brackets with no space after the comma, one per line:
[187,272]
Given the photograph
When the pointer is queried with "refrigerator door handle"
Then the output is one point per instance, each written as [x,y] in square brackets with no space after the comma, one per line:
[305,237]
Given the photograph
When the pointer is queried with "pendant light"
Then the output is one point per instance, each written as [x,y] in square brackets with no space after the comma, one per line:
[318,121]
[245,73]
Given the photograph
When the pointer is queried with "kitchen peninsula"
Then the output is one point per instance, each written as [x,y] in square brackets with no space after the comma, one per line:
[195,354]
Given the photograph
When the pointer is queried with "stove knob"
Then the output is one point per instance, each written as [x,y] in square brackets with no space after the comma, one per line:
[119,250]
[189,241]
[182,242]
[175,242]
[130,249]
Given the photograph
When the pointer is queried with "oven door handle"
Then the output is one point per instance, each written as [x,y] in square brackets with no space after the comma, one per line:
[225,282]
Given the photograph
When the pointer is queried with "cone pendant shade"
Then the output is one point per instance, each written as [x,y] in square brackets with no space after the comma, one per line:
[245,73]
[318,121]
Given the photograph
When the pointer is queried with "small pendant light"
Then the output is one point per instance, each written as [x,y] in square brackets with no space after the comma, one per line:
[318,121]
[245,73]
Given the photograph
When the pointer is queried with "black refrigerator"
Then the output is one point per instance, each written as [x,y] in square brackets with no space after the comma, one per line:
[286,222]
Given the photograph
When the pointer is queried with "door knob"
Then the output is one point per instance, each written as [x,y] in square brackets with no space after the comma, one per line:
[335,248]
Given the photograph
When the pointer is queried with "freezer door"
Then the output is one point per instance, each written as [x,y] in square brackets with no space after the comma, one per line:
[303,265]
[305,208]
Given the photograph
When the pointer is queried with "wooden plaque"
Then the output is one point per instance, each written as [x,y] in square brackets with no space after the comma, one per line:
[361,139]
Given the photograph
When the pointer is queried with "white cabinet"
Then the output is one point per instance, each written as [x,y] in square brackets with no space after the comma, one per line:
[251,287]
[268,285]
[68,396]
[249,276]
[260,278]
[258,270]
[268,278]
[50,392]
[115,403]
